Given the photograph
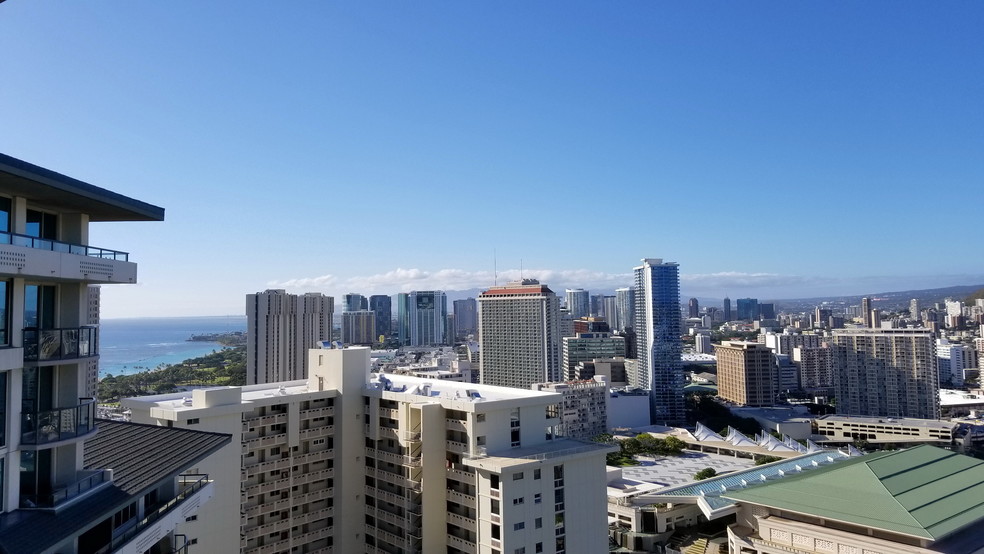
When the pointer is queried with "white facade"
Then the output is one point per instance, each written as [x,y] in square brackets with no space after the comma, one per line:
[280,328]
[392,463]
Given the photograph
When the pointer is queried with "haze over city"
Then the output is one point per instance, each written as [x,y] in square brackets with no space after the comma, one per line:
[792,150]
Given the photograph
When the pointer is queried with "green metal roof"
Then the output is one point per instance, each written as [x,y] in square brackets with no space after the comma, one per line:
[924,492]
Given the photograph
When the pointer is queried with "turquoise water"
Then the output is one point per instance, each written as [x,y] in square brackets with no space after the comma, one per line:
[133,345]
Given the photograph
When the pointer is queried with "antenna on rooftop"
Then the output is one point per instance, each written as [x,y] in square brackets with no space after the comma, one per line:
[495,270]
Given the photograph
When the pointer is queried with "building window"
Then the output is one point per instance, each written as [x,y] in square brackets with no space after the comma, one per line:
[520,525]
[41,225]
[537,498]
[538,523]
[517,476]
[518,501]
[520,550]
[480,418]
[539,547]
[536,473]
[495,504]
[193,421]
[4,215]
[5,288]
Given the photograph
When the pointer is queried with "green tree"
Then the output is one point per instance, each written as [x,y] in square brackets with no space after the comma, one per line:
[705,473]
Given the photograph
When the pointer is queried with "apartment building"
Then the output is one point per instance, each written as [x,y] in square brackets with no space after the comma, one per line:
[280,328]
[583,413]
[746,373]
[886,372]
[63,486]
[352,461]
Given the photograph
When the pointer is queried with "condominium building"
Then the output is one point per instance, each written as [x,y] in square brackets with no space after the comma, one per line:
[519,333]
[353,302]
[70,483]
[403,317]
[886,372]
[428,318]
[746,373]
[465,317]
[589,346]
[816,367]
[382,306]
[578,303]
[583,412]
[624,309]
[359,327]
[280,328]
[658,330]
[350,461]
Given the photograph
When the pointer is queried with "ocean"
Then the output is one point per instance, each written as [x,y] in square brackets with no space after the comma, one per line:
[133,345]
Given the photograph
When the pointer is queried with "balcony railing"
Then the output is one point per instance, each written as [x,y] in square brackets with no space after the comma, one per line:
[190,484]
[59,424]
[91,480]
[66,247]
[41,345]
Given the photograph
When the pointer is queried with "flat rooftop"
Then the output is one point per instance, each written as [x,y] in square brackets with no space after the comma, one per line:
[455,390]
[894,421]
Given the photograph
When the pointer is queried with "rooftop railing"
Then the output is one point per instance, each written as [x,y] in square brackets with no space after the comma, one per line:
[66,343]
[59,424]
[59,246]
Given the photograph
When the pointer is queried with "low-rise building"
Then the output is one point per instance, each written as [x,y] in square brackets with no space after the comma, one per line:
[842,429]
[919,500]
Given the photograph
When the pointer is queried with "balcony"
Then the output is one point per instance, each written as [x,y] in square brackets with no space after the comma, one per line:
[65,247]
[90,481]
[52,259]
[60,424]
[166,516]
[68,343]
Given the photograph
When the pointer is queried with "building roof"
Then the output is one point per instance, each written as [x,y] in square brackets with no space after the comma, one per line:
[924,492]
[57,190]
[140,457]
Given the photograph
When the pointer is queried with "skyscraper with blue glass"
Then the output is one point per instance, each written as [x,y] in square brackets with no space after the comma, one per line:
[658,328]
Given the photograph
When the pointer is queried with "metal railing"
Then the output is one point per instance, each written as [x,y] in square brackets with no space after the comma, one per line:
[28,241]
[190,487]
[59,424]
[91,480]
[65,343]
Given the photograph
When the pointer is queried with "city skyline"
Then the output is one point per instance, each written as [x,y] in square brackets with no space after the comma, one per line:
[263,137]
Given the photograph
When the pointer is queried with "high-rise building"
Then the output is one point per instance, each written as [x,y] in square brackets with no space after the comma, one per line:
[914,310]
[578,303]
[624,309]
[589,346]
[403,317]
[583,412]
[866,312]
[727,309]
[70,482]
[357,462]
[746,373]
[354,302]
[466,317]
[609,309]
[658,331]
[693,308]
[359,327]
[519,332]
[886,373]
[280,327]
[767,310]
[382,306]
[747,308]
[428,317]
[703,344]
[597,307]
[816,367]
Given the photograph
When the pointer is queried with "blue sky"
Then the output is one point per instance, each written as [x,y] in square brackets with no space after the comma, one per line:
[773,149]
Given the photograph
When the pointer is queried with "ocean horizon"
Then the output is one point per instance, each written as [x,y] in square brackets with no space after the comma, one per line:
[132,345]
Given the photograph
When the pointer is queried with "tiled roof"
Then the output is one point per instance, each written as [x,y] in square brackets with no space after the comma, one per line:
[925,492]
[139,455]
[142,455]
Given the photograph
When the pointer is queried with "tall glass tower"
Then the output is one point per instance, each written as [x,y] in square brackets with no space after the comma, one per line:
[658,328]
